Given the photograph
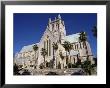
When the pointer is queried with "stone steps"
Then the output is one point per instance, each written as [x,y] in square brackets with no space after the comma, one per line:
[58,71]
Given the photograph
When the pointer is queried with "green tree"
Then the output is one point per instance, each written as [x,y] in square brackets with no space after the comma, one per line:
[41,66]
[16,69]
[44,53]
[55,47]
[35,48]
[69,65]
[88,67]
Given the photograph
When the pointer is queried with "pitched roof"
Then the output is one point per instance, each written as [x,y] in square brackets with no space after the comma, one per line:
[27,48]
[72,38]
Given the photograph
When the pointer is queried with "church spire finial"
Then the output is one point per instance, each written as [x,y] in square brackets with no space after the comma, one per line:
[59,17]
[49,20]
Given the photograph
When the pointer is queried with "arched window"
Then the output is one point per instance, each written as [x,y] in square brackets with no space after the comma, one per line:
[44,44]
[52,26]
[77,46]
[49,47]
[80,45]
[58,26]
[83,45]
[73,47]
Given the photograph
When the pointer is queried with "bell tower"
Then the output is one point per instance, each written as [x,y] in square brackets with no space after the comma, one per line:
[57,27]
[61,29]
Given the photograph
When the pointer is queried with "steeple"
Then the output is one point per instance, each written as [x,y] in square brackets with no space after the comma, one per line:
[59,17]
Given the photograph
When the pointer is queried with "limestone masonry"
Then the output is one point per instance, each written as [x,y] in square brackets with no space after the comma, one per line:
[55,33]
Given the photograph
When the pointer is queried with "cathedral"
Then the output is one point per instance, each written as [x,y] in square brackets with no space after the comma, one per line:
[52,50]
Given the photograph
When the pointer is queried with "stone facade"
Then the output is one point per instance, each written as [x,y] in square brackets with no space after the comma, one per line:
[55,33]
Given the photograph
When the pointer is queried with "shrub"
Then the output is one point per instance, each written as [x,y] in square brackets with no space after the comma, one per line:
[59,65]
[16,69]
[41,66]
[87,67]
[69,65]
[26,72]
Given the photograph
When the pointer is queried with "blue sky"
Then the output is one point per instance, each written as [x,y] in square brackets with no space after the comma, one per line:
[29,27]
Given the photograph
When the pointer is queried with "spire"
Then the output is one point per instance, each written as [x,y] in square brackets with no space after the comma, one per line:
[49,20]
[47,26]
[59,17]
[63,23]
[55,19]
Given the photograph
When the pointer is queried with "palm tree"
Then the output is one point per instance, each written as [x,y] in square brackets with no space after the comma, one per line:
[35,48]
[94,30]
[83,38]
[43,53]
[55,47]
[67,45]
